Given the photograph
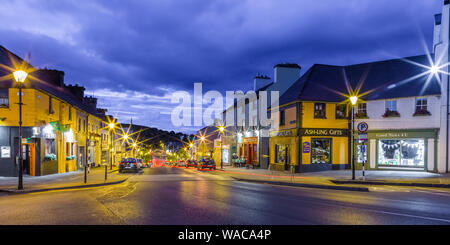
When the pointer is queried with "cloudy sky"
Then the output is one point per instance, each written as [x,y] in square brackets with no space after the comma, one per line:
[134,54]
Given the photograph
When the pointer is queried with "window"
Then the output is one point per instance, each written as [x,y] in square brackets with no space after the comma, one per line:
[391,105]
[70,113]
[4,98]
[401,153]
[319,110]
[321,151]
[79,124]
[421,105]
[282,117]
[362,109]
[282,154]
[341,111]
[50,109]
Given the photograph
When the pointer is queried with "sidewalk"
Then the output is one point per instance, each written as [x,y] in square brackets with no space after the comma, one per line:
[343,177]
[70,180]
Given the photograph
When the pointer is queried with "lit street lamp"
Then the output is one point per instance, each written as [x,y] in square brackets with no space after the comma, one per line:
[353,101]
[221,131]
[20,77]
[111,128]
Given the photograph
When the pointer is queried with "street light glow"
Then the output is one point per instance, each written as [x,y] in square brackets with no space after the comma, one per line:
[221,129]
[434,69]
[134,144]
[353,100]
[20,76]
[202,138]
[111,125]
[125,136]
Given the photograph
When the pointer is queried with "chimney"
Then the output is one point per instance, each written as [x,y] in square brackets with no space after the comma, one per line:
[76,90]
[286,73]
[91,101]
[260,81]
[53,77]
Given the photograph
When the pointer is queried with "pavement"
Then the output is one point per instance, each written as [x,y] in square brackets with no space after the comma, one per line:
[70,180]
[332,178]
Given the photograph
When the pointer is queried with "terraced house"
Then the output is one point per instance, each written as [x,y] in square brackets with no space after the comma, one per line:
[61,127]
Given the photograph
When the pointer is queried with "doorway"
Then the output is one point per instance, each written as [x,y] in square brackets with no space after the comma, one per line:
[29,158]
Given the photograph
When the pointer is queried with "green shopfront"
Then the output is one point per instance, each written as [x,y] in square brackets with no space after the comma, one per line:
[399,150]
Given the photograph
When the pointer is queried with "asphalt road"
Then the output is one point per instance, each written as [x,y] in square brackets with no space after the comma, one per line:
[189,197]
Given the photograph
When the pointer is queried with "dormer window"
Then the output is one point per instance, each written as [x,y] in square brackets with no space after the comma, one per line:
[4,98]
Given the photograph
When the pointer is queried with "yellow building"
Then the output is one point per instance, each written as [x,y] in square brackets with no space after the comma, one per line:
[311,134]
[60,125]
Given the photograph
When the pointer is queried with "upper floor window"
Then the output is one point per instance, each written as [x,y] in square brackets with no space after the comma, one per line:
[391,109]
[421,107]
[362,110]
[282,117]
[319,110]
[391,105]
[79,124]
[341,111]
[70,113]
[4,98]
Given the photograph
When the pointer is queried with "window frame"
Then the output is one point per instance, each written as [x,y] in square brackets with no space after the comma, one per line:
[324,109]
[345,111]
[4,94]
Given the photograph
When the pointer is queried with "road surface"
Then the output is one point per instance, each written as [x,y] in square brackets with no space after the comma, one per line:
[189,197]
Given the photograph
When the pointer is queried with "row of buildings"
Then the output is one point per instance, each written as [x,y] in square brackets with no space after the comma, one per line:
[404,102]
[63,130]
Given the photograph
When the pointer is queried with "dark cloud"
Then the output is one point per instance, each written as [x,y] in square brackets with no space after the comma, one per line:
[156,47]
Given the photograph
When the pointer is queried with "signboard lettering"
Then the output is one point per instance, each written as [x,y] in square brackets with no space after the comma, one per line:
[306,147]
[324,132]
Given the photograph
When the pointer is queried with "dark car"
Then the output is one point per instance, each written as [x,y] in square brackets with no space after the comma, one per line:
[191,163]
[129,164]
[207,163]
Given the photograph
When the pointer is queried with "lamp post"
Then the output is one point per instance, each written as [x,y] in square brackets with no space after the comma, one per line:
[353,101]
[20,77]
[221,130]
[111,128]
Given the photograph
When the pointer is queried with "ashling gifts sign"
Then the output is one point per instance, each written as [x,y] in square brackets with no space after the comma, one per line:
[324,132]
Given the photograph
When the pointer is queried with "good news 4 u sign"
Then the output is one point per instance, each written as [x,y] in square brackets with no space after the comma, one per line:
[324,132]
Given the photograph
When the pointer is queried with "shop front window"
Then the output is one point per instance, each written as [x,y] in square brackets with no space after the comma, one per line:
[320,150]
[401,153]
[282,154]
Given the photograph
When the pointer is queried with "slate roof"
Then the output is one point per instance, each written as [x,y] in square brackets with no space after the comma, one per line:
[46,86]
[396,78]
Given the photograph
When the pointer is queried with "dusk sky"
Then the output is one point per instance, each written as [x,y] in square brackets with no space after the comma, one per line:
[133,55]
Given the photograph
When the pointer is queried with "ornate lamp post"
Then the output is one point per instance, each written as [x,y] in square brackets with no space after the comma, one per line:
[20,77]
[353,101]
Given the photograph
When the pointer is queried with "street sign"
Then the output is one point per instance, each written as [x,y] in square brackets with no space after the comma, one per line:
[363,148]
[363,127]
[362,137]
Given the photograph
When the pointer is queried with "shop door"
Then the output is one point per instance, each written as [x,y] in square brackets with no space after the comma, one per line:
[29,159]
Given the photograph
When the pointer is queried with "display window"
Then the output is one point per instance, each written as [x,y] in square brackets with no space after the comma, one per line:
[282,154]
[401,152]
[321,151]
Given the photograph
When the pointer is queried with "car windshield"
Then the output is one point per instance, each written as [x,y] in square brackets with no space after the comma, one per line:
[131,160]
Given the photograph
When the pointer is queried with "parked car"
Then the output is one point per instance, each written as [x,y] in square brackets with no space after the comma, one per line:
[181,163]
[207,163]
[129,164]
[140,163]
[191,163]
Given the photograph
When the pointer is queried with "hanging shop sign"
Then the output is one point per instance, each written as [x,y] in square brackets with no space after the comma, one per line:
[306,147]
[252,140]
[324,132]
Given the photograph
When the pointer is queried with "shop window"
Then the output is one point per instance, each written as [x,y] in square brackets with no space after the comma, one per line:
[321,151]
[4,98]
[49,149]
[282,118]
[320,110]
[341,111]
[401,153]
[282,154]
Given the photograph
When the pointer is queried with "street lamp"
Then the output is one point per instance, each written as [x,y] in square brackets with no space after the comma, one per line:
[221,130]
[353,101]
[20,77]
[111,128]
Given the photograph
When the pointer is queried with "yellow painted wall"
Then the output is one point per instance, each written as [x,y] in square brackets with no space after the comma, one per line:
[292,141]
[290,116]
[308,120]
